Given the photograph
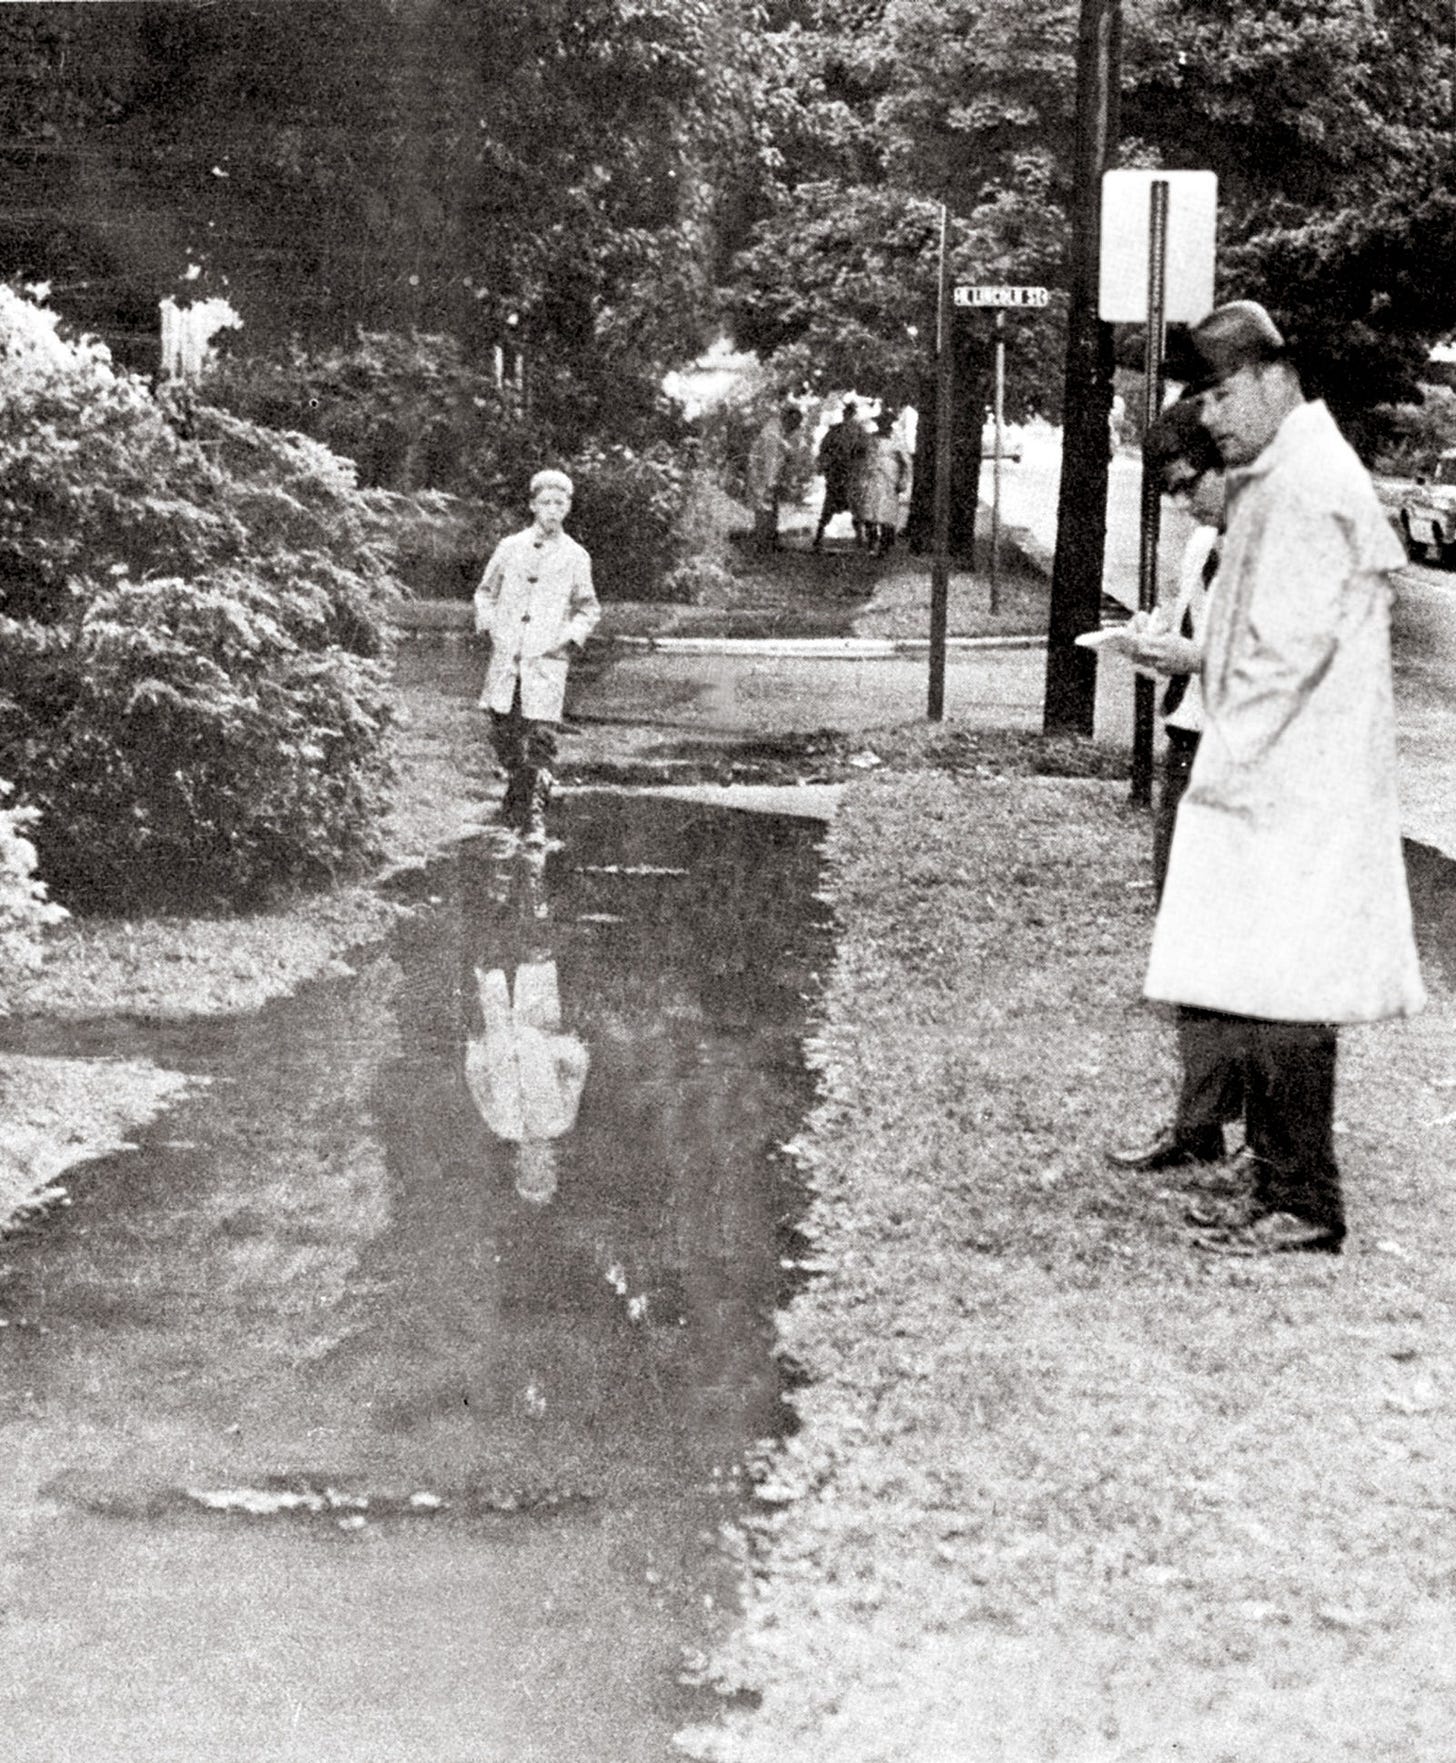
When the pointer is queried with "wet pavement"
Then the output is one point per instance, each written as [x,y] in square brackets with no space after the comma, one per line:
[388,1400]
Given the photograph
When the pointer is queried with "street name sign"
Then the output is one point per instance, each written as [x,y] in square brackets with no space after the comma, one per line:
[1122,283]
[977,294]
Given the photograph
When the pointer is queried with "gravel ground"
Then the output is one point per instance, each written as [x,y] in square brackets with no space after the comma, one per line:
[1064,1488]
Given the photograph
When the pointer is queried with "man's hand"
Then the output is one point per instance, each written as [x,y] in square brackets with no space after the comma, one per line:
[1162,652]
[1159,650]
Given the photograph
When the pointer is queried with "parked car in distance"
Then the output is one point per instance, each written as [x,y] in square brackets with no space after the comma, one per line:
[1428,512]
[1011,440]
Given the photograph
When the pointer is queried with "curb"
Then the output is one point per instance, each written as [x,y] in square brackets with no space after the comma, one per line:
[442,621]
[819,648]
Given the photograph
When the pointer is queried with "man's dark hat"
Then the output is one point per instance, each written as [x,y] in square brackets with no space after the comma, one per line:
[1237,335]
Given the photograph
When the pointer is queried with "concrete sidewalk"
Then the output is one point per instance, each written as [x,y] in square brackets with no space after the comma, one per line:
[731,694]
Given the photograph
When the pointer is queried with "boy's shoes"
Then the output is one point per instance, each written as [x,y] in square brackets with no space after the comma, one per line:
[1171,1150]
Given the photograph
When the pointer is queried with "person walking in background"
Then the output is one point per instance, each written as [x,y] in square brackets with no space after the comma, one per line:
[1179,452]
[884,484]
[537,604]
[769,456]
[1286,911]
[841,455]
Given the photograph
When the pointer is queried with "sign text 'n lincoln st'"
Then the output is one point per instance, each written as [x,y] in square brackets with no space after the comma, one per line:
[975,294]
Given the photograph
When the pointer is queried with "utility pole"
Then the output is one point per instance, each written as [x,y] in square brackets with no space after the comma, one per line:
[944,400]
[1152,489]
[1076,595]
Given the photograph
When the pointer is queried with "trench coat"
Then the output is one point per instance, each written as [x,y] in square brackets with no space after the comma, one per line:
[768,455]
[884,479]
[1286,895]
[535,598]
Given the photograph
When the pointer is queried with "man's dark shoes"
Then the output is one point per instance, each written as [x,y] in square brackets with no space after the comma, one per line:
[1275,1233]
[1171,1150]
[1223,1212]
[1229,1195]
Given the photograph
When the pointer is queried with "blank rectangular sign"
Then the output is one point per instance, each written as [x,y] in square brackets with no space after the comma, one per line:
[1122,286]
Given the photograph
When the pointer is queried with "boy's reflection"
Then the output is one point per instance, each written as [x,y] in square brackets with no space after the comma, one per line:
[524,1074]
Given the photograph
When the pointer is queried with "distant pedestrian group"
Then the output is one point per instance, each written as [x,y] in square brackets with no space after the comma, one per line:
[770,456]
[867,475]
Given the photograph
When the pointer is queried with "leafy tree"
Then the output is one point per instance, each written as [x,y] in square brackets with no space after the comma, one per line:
[1328,126]
[420,166]
[892,109]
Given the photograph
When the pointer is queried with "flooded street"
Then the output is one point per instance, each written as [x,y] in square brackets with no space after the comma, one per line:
[387,1401]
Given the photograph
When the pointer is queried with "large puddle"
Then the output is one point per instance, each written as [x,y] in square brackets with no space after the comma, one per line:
[388,1401]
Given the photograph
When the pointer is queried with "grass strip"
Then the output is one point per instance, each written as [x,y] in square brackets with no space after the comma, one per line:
[1063,1487]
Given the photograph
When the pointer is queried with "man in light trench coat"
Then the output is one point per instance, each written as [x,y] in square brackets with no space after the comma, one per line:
[1286,911]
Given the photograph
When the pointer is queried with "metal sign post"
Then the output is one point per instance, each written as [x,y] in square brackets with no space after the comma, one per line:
[940,561]
[1143,689]
[1156,264]
[1000,299]
[1000,421]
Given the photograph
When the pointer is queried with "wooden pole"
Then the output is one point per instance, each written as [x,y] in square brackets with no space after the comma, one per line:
[996,462]
[944,394]
[1143,687]
[1076,595]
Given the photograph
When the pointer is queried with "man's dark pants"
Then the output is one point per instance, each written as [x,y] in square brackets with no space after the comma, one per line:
[1284,1075]
[837,500]
[1212,1091]
[1279,1077]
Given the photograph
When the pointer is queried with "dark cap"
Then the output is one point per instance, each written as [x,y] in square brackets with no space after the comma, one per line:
[1237,335]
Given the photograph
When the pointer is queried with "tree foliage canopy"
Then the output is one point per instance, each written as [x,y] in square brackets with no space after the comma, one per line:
[1328,125]
[538,169]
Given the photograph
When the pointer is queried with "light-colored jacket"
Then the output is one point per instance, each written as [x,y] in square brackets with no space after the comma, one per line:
[1191,602]
[525,1075]
[768,455]
[1286,894]
[884,479]
[535,598]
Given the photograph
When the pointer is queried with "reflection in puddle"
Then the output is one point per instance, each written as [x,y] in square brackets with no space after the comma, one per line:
[332,1286]
[524,1074]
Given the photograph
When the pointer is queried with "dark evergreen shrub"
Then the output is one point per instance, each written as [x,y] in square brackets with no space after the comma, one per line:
[193,668]
[627,511]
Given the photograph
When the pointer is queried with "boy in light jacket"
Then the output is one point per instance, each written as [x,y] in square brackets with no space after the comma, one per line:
[537,604]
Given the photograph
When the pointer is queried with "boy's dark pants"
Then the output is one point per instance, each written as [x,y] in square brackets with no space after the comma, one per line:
[525,748]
